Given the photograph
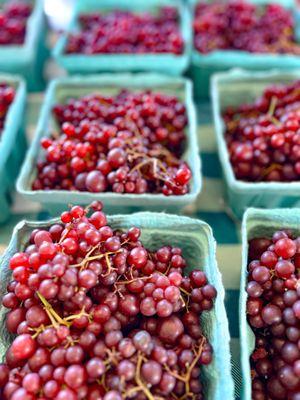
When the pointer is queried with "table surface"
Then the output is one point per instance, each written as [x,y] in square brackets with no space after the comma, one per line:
[210,206]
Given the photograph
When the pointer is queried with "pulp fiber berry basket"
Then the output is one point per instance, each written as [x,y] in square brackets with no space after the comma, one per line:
[28,59]
[231,89]
[62,89]
[203,66]
[164,63]
[257,223]
[199,247]
[12,143]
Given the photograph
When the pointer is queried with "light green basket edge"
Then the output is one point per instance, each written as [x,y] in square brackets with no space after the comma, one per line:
[147,220]
[120,80]
[168,63]
[275,219]
[13,119]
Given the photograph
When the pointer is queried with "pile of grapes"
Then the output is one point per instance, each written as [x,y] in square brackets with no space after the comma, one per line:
[125,32]
[13,20]
[98,316]
[263,137]
[128,143]
[273,310]
[240,25]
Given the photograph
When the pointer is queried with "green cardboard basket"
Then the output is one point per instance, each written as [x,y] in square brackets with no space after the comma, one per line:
[231,89]
[257,223]
[163,63]
[60,90]
[203,66]
[12,143]
[28,59]
[199,247]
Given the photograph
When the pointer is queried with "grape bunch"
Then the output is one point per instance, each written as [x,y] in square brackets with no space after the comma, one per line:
[96,315]
[13,20]
[128,143]
[240,25]
[273,312]
[125,32]
[7,94]
[263,137]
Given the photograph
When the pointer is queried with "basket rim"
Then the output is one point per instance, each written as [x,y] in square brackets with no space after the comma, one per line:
[239,186]
[12,121]
[229,56]
[117,81]
[276,217]
[150,221]
[182,60]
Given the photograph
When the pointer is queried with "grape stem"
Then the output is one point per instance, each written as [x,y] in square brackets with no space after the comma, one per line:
[271,168]
[141,387]
[56,319]
[184,291]
[101,382]
[155,161]
[93,258]
[187,376]
[89,257]
[186,304]
[65,234]
[167,154]
[146,160]
[112,357]
[117,283]
[53,316]
[142,278]
[275,121]
[272,106]
[139,381]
